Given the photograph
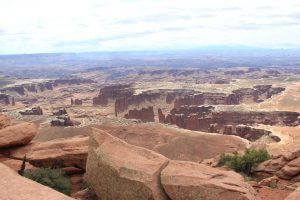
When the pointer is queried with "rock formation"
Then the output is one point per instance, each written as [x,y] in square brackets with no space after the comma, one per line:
[33,111]
[4,99]
[59,153]
[112,92]
[77,102]
[62,120]
[161,116]
[189,181]
[256,94]
[13,103]
[285,165]
[145,114]
[16,135]
[117,170]
[228,130]
[61,111]
[200,117]
[253,134]
[15,187]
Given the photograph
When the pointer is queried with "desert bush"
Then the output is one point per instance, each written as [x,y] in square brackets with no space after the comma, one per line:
[273,184]
[244,163]
[53,178]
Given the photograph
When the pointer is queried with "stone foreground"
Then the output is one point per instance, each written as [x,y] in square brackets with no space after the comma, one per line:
[118,170]
[16,187]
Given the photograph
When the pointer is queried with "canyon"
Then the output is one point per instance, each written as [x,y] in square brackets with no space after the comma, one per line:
[154,133]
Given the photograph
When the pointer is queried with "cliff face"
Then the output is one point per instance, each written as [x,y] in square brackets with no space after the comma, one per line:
[145,114]
[112,92]
[4,98]
[257,94]
[200,118]
[47,85]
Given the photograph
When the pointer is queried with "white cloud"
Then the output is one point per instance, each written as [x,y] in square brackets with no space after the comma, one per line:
[35,26]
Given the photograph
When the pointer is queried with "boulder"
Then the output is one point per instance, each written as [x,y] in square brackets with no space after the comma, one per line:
[184,180]
[118,170]
[292,168]
[16,135]
[16,187]
[68,152]
[4,121]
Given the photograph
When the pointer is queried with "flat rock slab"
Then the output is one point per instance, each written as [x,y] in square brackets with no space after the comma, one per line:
[184,180]
[68,152]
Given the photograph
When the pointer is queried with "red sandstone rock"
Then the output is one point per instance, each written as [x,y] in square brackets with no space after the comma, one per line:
[294,195]
[189,181]
[16,135]
[145,114]
[161,116]
[69,152]
[117,170]
[200,117]
[15,187]
[256,94]
[4,121]
[228,130]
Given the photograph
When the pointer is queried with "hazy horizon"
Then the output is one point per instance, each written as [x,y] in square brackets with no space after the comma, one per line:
[32,26]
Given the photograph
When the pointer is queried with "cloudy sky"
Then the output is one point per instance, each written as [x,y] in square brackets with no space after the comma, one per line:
[39,26]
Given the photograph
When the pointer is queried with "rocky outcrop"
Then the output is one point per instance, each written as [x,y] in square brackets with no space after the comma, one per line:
[4,121]
[161,116]
[62,120]
[117,170]
[59,153]
[112,92]
[122,103]
[170,98]
[77,102]
[200,117]
[145,114]
[4,99]
[15,187]
[16,135]
[249,133]
[257,94]
[189,181]
[18,89]
[61,111]
[44,86]
[33,111]
[228,130]
[285,165]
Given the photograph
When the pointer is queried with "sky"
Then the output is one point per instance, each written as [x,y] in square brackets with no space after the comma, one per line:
[48,26]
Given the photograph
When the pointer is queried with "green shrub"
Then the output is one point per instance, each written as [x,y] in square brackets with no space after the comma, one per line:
[273,184]
[244,163]
[53,178]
